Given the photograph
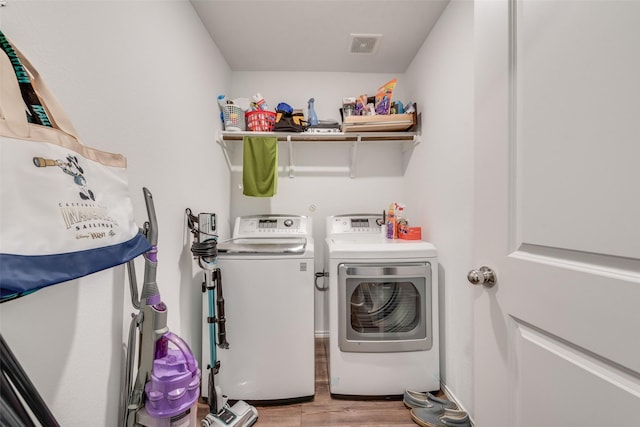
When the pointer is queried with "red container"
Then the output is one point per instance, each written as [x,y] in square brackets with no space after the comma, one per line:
[260,121]
[413,233]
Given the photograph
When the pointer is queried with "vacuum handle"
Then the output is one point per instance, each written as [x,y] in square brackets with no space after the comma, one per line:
[222,331]
[184,348]
[152,233]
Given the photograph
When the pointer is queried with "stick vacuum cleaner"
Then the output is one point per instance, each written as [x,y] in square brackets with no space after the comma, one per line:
[205,251]
[167,385]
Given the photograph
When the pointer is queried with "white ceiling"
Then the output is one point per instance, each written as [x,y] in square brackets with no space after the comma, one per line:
[314,35]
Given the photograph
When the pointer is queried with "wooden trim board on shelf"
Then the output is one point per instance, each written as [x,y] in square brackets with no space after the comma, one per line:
[379,123]
[340,137]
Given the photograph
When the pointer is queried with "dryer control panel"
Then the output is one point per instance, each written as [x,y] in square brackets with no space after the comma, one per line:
[354,224]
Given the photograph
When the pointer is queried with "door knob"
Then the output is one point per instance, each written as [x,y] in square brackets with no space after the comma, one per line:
[483,276]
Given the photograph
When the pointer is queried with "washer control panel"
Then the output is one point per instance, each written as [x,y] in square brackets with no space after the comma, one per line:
[266,225]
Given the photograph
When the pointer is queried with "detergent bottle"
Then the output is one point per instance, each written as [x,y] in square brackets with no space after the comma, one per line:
[391,222]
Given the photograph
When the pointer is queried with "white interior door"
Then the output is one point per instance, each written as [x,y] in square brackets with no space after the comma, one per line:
[557,339]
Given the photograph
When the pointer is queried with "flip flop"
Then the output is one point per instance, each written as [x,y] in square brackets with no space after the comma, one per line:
[416,399]
[447,418]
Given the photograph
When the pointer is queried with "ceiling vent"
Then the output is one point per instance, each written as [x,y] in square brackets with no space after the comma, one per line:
[364,43]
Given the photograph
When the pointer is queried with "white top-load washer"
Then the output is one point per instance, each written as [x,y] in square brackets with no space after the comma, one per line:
[268,289]
[383,310]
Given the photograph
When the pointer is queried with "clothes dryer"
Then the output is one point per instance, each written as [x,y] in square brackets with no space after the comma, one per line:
[268,289]
[383,310]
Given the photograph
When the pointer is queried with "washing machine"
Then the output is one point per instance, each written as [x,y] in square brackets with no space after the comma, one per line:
[268,289]
[383,310]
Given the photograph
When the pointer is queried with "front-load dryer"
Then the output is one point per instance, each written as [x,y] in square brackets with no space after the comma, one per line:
[268,289]
[383,310]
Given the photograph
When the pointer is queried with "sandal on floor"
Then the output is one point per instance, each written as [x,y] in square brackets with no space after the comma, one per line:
[447,418]
[417,399]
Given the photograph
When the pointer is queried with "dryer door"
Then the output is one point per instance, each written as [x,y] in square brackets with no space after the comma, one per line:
[385,307]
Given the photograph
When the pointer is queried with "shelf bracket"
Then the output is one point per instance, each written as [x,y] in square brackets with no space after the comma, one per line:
[410,145]
[291,167]
[225,151]
[354,152]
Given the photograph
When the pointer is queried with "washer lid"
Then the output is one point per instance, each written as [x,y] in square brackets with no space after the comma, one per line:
[266,245]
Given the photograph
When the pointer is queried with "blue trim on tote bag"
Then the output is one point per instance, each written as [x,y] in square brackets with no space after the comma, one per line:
[24,274]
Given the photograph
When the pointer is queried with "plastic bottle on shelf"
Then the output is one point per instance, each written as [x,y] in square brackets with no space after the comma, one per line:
[222,101]
[402,224]
[259,102]
[313,117]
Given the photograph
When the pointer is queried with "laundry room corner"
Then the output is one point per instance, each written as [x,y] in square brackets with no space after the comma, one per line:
[442,77]
[440,81]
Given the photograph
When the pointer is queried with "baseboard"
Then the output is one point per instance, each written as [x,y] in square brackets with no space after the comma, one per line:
[453,398]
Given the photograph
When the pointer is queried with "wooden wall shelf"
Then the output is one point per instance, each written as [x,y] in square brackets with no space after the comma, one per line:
[227,139]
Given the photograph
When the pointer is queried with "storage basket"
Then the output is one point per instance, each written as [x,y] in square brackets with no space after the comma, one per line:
[233,117]
[261,121]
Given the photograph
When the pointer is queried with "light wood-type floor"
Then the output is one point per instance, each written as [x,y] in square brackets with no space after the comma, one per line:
[324,410]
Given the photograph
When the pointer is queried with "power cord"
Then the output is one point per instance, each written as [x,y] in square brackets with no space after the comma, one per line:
[319,275]
[207,250]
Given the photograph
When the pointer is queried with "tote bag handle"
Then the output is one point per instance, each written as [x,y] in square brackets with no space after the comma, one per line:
[15,123]
[11,100]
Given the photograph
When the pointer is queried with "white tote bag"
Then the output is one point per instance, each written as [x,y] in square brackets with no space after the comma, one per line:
[65,208]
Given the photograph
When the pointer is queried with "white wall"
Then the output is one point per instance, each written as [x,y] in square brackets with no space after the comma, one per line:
[441,167]
[138,78]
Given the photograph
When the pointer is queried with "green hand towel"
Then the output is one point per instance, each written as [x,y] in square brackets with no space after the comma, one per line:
[260,166]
